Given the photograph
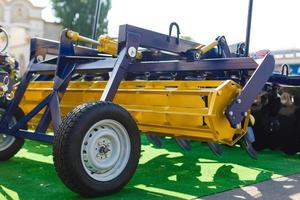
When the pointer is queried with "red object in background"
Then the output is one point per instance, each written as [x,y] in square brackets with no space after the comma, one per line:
[261,53]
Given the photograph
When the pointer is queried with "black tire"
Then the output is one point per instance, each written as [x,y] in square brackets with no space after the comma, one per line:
[14,148]
[67,148]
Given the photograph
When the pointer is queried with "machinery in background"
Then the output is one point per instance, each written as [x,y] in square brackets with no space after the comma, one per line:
[277,113]
[8,67]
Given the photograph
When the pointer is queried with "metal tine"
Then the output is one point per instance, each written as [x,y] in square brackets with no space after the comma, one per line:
[154,139]
[249,148]
[184,144]
[215,148]
[246,143]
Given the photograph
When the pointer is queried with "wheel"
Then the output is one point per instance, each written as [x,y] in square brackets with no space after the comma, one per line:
[10,145]
[96,149]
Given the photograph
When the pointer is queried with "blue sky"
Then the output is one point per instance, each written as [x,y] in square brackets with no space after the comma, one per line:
[275,22]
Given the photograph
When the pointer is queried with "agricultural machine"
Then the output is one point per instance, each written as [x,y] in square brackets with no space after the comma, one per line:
[8,67]
[99,100]
[277,113]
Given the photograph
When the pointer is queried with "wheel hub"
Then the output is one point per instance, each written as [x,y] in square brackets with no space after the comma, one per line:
[104,145]
[101,150]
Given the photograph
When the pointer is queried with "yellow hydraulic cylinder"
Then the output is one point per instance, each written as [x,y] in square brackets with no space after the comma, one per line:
[105,44]
[188,109]
[203,49]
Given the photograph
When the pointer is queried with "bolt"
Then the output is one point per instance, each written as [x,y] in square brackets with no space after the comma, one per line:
[132,52]
[4,88]
[239,101]
[39,58]
[102,150]
[71,34]
[230,113]
[197,56]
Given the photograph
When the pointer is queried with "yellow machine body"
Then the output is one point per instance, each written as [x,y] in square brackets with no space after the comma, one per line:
[187,109]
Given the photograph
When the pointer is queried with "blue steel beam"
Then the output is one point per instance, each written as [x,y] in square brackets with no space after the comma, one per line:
[31,114]
[151,39]
[41,137]
[285,80]
[220,64]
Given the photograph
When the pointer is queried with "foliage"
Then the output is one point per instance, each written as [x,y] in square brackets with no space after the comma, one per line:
[78,15]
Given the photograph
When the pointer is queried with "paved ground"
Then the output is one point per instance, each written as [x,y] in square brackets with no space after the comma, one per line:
[285,188]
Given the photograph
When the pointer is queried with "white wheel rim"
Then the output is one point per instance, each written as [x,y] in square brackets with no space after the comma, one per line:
[105,150]
[6,140]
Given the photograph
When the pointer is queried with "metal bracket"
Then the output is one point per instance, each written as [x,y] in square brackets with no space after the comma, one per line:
[224,47]
[121,67]
[237,110]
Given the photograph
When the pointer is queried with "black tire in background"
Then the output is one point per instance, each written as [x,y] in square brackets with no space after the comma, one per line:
[15,143]
[74,159]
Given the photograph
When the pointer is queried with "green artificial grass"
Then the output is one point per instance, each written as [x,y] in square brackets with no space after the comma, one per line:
[163,173]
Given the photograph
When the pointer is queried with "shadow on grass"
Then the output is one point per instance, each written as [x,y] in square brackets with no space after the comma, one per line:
[170,174]
[38,148]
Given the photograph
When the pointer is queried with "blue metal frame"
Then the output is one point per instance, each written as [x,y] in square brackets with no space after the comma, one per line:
[279,79]
[70,58]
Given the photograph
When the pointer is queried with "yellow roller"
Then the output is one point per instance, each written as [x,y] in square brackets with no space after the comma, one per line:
[188,109]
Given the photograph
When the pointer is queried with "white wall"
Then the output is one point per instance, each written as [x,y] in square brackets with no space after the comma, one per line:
[21,31]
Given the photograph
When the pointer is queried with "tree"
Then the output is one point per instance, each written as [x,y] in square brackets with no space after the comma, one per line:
[78,15]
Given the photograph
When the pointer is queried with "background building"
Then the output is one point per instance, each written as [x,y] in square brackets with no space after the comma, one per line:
[23,20]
